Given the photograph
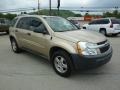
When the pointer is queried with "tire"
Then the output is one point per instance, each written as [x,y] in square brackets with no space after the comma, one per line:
[61,63]
[7,32]
[84,27]
[114,34]
[14,46]
[103,31]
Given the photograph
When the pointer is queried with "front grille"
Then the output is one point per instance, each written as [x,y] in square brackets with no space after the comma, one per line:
[105,48]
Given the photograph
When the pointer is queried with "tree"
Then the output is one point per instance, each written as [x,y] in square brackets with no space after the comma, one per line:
[54,12]
[78,15]
[7,16]
[115,13]
[10,16]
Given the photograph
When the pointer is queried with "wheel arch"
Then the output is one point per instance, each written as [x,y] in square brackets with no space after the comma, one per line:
[56,48]
[102,29]
[11,37]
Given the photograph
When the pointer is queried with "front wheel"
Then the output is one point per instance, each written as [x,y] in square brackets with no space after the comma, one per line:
[114,34]
[62,63]
[14,45]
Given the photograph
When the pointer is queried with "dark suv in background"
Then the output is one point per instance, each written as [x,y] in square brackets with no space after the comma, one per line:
[4,25]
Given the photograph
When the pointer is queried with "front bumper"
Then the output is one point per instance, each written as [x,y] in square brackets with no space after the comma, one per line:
[84,62]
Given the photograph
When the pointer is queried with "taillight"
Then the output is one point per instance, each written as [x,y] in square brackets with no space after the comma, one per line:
[111,26]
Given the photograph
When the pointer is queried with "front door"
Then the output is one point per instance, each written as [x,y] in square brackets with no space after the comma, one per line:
[38,40]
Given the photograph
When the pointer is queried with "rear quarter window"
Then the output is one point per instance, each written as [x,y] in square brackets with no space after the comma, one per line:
[115,21]
[104,21]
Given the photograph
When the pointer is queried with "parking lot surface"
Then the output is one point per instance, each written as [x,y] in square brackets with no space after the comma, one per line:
[26,71]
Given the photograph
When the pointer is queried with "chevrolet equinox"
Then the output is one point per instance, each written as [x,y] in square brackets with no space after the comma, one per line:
[62,43]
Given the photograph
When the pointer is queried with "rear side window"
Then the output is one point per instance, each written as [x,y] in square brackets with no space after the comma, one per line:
[93,22]
[115,21]
[103,21]
[24,23]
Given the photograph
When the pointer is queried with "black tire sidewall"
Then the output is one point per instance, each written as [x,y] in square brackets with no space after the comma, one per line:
[105,33]
[17,48]
[67,58]
[114,35]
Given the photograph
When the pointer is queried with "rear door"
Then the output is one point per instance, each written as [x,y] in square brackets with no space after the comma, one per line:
[23,32]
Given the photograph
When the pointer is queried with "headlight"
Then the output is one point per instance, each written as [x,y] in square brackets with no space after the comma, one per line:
[86,48]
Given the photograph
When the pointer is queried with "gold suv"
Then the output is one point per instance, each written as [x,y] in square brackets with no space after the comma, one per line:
[67,47]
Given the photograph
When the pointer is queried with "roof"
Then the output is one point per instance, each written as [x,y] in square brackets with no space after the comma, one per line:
[26,15]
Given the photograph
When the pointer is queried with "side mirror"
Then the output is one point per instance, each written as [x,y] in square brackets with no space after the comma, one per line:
[40,31]
[43,31]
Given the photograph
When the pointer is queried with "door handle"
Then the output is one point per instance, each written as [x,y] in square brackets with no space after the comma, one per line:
[29,34]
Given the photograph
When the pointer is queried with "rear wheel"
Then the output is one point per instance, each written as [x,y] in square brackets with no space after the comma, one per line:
[14,45]
[114,34]
[103,31]
[62,63]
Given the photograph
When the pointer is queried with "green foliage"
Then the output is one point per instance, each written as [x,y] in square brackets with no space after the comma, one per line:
[78,15]
[112,14]
[8,16]
[54,12]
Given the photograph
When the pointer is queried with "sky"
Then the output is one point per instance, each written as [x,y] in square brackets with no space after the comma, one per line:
[14,4]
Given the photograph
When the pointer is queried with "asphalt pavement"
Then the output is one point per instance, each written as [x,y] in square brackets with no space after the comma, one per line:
[26,71]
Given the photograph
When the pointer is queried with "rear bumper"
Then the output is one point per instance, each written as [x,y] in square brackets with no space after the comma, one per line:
[83,62]
[113,31]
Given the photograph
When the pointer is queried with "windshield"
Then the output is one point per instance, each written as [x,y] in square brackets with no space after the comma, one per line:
[59,24]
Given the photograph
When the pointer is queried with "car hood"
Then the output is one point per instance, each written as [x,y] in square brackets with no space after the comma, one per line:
[81,35]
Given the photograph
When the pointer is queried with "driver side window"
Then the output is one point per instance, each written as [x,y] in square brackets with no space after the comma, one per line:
[92,23]
[37,25]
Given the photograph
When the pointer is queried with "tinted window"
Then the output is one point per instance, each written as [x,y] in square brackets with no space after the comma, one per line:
[35,22]
[115,21]
[37,25]
[14,21]
[97,21]
[104,21]
[24,23]
[93,22]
